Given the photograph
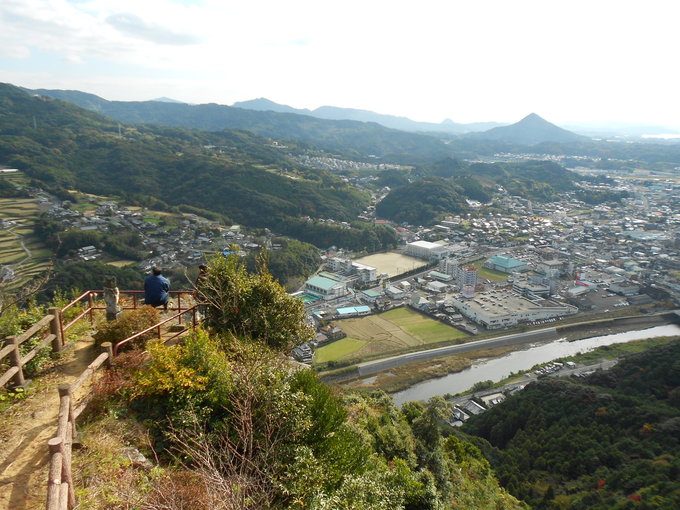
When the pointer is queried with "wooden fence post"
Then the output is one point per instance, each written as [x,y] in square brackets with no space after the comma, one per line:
[15,361]
[90,304]
[55,329]
[54,478]
[107,347]
[65,390]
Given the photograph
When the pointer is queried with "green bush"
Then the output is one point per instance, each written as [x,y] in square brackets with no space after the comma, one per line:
[131,322]
[15,321]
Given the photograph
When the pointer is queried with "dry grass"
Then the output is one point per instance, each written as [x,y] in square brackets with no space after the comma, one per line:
[404,376]
[103,474]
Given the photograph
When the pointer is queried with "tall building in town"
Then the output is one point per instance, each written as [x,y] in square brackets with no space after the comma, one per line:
[467,280]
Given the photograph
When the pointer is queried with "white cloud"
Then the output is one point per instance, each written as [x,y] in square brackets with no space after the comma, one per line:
[73,59]
[483,60]
[14,50]
[133,25]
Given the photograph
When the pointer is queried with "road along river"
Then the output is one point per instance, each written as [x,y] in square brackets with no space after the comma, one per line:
[538,352]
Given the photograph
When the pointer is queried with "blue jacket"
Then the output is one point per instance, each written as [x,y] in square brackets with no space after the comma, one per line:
[156,290]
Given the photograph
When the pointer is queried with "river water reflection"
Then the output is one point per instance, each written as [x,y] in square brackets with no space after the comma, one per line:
[499,368]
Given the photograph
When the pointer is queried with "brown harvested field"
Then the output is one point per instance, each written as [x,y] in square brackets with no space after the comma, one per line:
[392,263]
[379,331]
[121,263]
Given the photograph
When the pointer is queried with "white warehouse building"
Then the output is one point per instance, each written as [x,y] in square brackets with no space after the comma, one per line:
[428,251]
[501,309]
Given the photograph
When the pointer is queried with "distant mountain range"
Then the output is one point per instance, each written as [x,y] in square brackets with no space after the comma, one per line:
[352,139]
[531,130]
[607,129]
[354,132]
[390,121]
[369,138]
[167,100]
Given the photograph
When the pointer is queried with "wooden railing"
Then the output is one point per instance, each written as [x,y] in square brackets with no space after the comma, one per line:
[91,296]
[12,351]
[88,301]
[60,488]
[157,327]
[61,492]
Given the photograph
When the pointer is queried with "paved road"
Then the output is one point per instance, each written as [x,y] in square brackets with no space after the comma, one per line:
[373,367]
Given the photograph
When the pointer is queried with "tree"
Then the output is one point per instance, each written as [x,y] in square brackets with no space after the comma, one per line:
[251,305]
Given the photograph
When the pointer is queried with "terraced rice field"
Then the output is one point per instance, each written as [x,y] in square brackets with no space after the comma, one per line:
[33,257]
[388,332]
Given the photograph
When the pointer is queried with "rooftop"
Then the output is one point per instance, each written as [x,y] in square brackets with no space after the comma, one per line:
[349,310]
[322,283]
[507,262]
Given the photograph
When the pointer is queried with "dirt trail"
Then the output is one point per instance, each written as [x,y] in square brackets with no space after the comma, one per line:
[26,428]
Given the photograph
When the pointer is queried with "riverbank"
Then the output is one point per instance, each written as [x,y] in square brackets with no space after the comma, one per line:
[400,372]
[521,360]
[405,376]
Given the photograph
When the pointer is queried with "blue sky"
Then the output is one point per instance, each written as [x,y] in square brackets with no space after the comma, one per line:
[476,60]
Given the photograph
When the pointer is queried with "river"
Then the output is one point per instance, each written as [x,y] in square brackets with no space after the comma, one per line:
[496,369]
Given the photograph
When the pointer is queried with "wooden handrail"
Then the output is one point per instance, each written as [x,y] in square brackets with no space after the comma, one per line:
[6,350]
[11,348]
[60,487]
[42,323]
[60,492]
[117,347]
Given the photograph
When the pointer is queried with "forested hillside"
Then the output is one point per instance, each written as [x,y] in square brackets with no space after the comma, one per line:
[351,138]
[236,174]
[611,442]
[420,202]
[442,187]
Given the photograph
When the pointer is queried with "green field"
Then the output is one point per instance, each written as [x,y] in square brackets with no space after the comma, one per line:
[338,349]
[389,332]
[489,274]
[427,330]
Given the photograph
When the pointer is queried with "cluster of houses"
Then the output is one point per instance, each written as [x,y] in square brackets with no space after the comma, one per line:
[560,259]
[184,242]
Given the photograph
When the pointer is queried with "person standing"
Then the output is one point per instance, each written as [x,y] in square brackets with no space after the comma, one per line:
[156,288]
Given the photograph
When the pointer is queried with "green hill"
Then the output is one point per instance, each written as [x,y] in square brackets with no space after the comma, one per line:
[420,202]
[234,173]
[350,137]
[441,188]
[612,442]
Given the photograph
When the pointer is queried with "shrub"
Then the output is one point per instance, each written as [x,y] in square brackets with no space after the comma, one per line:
[180,379]
[132,321]
[16,320]
[116,381]
[251,305]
